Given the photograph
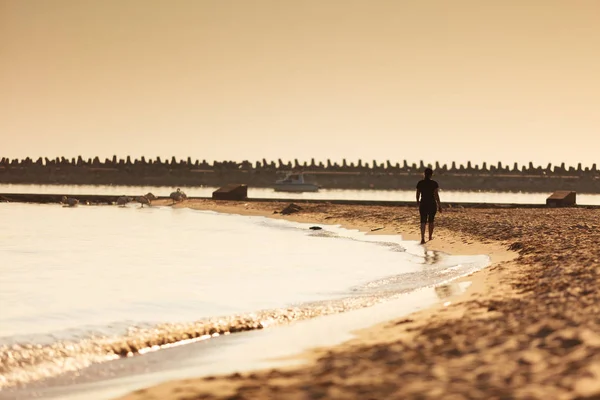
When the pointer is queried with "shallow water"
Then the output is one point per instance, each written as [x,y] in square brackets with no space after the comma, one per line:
[243,352]
[90,284]
[326,194]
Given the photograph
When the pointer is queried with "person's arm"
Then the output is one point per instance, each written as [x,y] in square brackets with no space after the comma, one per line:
[418,196]
[436,193]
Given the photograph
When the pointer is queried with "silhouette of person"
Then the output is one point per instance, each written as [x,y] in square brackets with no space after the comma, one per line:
[428,201]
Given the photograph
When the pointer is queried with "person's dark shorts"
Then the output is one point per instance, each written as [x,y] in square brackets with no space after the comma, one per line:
[427,212]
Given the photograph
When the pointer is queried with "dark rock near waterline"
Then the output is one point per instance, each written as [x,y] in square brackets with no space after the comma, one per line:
[231,191]
[291,209]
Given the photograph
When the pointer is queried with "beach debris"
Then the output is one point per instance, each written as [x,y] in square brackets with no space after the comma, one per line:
[231,191]
[377,229]
[291,209]
[315,228]
[69,201]
[515,246]
[562,198]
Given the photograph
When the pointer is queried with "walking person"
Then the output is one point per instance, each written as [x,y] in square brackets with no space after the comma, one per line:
[428,201]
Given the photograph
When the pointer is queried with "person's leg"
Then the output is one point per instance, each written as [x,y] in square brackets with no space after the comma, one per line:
[423,213]
[431,218]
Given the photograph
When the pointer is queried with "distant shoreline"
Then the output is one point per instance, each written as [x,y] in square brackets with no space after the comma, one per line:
[98,199]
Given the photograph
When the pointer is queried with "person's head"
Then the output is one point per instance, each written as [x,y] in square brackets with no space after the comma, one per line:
[428,173]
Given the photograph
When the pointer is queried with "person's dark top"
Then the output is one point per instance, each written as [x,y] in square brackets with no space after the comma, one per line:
[427,188]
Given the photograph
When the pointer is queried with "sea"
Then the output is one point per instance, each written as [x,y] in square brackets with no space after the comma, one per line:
[97,301]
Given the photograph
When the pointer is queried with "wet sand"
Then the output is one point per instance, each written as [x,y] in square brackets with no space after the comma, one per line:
[529,326]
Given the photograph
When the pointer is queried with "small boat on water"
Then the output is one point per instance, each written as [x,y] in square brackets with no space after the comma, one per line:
[294,182]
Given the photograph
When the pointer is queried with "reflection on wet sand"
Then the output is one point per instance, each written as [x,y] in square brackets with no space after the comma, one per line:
[450,289]
[432,257]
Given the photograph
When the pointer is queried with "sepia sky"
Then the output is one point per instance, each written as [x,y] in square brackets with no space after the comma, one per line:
[506,80]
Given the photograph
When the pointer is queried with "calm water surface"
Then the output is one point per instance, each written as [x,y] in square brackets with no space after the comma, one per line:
[77,284]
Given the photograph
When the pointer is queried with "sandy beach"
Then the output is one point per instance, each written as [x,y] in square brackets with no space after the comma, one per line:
[528,327]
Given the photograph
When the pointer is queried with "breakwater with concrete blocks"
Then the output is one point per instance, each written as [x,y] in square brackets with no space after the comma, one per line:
[344,175]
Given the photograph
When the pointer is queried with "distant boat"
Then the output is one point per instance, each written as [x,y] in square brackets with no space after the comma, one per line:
[294,182]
